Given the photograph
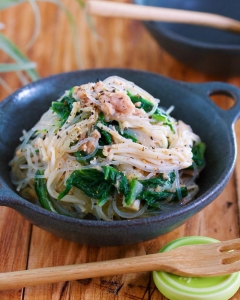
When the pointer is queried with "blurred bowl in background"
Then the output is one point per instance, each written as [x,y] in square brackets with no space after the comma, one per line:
[204,49]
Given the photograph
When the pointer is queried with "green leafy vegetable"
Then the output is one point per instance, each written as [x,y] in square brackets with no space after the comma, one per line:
[161,116]
[127,134]
[118,179]
[106,138]
[198,151]
[97,184]
[154,198]
[91,181]
[42,192]
[148,106]
[63,108]
[145,104]
[159,181]
[102,184]
[80,156]
[135,188]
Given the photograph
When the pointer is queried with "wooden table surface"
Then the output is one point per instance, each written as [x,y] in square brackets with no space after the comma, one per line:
[120,43]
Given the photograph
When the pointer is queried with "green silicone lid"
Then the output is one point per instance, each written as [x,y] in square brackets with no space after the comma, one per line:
[195,288]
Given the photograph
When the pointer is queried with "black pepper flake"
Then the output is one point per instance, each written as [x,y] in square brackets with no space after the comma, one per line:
[151,138]
[134,167]
[58,137]
[66,132]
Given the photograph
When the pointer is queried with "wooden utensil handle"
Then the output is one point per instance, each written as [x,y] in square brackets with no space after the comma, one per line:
[142,12]
[19,279]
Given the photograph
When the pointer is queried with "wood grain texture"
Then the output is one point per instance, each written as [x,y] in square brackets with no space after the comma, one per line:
[120,43]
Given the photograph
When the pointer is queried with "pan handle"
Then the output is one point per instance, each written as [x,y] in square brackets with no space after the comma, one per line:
[222,88]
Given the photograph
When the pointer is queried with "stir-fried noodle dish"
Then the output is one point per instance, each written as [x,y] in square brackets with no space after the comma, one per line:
[108,151]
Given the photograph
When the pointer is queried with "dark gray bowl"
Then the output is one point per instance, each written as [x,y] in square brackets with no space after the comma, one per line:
[192,105]
[205,49]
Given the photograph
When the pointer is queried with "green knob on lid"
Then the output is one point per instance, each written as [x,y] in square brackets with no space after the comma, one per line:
[195,288]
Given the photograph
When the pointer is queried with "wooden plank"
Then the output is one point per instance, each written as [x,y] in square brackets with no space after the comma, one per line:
[15,233]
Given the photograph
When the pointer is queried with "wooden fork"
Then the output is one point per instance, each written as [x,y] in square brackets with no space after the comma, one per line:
[214,259]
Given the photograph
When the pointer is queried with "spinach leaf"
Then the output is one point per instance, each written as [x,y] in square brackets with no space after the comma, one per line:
[198,151]
[163,117]
[126,133]
[159,181]
[42,192]
[154,199]
[63,107]
[135,188]
[97,184]
[145,104]
[90,181]
[129,136]
[79,155]
[116,178]
[71,91]
[106,138]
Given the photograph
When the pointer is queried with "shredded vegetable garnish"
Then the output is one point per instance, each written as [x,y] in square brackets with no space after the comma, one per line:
[106,150]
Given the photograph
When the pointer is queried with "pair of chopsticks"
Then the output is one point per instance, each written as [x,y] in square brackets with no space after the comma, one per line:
[150,13]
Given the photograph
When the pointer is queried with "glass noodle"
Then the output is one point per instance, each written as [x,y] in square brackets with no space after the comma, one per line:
[106,150]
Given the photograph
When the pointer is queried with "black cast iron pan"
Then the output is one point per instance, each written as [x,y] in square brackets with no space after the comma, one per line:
[23,109]
[209,50]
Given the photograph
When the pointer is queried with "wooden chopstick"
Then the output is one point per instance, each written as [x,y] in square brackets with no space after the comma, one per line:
[150,13]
